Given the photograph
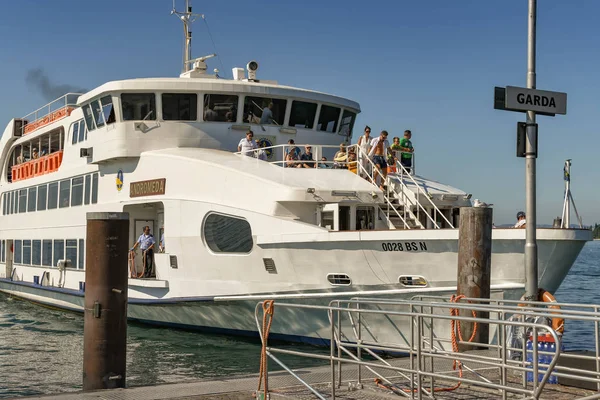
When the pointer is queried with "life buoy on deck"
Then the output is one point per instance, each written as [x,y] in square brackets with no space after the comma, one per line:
[558,324]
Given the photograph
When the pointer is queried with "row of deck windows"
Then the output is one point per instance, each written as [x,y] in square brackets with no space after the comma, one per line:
[220,108]
[46,252]
[66,193]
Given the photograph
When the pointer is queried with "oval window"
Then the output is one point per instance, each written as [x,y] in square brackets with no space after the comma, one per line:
[226,234]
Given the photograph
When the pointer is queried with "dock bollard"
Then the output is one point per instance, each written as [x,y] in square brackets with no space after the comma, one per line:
[105,318]
[474,267]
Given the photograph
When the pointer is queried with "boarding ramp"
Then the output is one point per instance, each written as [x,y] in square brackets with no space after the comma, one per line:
[425,361]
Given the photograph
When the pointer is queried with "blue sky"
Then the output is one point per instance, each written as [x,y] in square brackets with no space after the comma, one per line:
[429,66]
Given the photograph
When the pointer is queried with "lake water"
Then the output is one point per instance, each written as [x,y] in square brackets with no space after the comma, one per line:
[41,349]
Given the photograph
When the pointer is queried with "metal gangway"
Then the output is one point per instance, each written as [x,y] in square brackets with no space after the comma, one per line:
[429,358]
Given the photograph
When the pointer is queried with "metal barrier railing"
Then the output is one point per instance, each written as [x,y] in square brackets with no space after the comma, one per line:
[360,334]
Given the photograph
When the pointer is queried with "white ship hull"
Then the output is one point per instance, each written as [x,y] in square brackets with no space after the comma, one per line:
[233,313]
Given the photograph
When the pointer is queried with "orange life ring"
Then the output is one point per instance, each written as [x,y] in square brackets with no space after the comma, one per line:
[558,324]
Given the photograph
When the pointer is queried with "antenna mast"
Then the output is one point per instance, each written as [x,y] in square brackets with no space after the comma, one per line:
[188,18]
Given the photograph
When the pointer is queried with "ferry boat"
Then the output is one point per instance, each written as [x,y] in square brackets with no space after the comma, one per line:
[238,228]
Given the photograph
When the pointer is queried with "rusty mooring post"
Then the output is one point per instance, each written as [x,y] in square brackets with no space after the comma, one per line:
[474,266]
[105,320]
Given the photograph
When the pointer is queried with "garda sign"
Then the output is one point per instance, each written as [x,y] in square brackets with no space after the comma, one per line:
[542,101]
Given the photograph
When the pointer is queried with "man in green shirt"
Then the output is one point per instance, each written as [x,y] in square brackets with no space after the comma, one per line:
[406,149]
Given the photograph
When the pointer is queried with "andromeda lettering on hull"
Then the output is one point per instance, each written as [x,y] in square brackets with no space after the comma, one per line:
[153,187]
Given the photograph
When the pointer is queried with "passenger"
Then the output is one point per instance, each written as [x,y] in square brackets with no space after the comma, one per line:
[292,149]
[231,115]
[307,158]
[340,157]
[43,152]
[20,158]
[247,145]
[378,150]
[35,153]
[521,221]
[291,160]
[323,163]
[363,154]
[352,163]
[262,153]
[210,114]
[396,148]
[406,149]
[267,115]
[146,242]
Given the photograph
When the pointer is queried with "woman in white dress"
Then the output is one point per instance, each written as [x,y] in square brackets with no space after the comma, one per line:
[363,156]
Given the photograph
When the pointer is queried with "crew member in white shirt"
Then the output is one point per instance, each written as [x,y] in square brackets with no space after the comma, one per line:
[521,221]
[247,145]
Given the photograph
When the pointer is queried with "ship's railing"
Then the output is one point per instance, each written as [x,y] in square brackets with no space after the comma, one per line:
[51,112]
[37,167]
[359,162]
[362,331]
[277,155]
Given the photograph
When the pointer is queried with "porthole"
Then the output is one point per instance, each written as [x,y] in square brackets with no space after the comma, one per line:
[227,234]
[339,279]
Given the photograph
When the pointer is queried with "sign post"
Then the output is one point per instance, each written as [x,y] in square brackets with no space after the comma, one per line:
[531,250]
[531,101]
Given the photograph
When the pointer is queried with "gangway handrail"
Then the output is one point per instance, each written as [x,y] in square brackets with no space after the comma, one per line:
[420,189]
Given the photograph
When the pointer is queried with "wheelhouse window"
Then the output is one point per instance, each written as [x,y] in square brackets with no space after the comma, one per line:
[220,107]
[180,106]
[303,114]
[108,110]
[97,113]
[264,110]
[347,124]
[328,118]
[226,234]
[88,117]
[138,106]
